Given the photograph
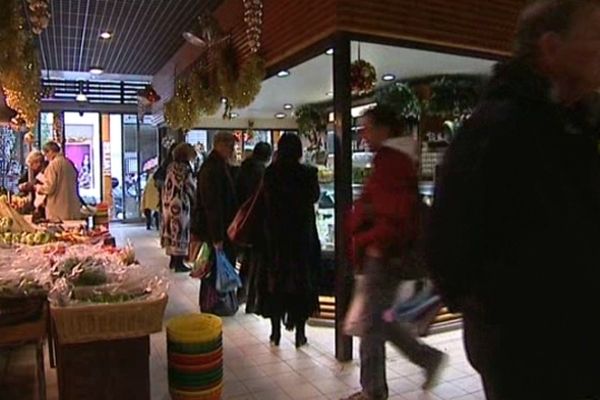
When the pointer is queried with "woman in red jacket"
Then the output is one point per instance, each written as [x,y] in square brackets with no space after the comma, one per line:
[382,224]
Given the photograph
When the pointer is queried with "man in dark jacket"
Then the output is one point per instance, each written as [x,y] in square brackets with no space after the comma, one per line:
[216,200]
[516,219]
[248,181]
[252,171]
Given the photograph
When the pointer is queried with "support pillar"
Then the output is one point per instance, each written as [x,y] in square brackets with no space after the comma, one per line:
[342,100]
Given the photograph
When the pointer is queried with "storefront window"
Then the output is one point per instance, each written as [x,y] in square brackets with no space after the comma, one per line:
[148,154]
[46,127]
[116,166]
[131,167]
[82,147]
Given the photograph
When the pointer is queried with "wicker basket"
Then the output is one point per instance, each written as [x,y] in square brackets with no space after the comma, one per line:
[108,322]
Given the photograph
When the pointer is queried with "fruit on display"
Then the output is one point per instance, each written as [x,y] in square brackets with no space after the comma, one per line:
[19,224]
[325,174]
[31,239]
[20,203]
[5,224]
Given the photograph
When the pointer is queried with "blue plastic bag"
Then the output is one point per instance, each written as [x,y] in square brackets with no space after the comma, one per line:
[227,279]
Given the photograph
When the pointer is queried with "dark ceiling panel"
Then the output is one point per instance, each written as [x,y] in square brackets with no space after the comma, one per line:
[146,33]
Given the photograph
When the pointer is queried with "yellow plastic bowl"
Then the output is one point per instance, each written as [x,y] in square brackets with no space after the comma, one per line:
[195,328]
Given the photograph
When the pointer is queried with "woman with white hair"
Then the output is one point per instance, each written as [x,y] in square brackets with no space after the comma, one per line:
[36,163]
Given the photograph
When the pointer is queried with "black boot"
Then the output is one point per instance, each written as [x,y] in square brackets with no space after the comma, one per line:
[300,334]
[148,215]
[275,331]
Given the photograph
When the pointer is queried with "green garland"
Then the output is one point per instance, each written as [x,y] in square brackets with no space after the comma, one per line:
[311,118]
[454,95]
[401,98]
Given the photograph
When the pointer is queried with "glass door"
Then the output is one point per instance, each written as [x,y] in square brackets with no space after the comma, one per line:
[131,168]
[82,147]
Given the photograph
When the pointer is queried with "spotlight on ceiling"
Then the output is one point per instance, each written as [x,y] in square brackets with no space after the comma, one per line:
[283,73]
[388,77]
[96,71]
[329,52]
[288,106]
[280,115]
[234,115]
[106,35]
[224,100]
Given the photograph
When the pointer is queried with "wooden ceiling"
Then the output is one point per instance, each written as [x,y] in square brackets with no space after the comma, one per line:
[146,34]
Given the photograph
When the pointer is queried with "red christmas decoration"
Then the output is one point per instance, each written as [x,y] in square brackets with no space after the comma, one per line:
[362,77]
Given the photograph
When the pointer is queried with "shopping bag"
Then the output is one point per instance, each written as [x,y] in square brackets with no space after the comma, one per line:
[245,220]
[202,263]
[194,248]
[227,304]
[413,299]
[213,302]
[357,318]
[227,279]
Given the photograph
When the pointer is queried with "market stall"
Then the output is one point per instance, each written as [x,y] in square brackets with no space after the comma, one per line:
[102,304]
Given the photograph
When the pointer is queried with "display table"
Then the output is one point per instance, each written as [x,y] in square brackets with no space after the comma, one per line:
[104,370]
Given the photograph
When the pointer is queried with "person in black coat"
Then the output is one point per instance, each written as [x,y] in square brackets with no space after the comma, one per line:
[516,216]
[288,288]
[216,201]
[248,182]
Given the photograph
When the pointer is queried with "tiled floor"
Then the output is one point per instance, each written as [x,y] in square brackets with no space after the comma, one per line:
[254,369]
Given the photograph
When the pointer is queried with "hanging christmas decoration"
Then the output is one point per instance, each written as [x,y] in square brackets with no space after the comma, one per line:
[240,85]
[362,77]
[19,65]
[39,15]
[146,98]
[253,12]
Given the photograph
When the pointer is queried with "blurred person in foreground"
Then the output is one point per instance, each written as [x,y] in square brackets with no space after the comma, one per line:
[59,186]
[516,219]
[249,180]
[383,225]
[178,198]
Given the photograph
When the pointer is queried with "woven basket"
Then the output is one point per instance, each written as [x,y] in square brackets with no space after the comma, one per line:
[108,322]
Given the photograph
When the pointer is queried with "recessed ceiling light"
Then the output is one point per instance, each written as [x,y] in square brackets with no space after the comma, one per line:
[224,100]
[234,115]
[388,77]
[288,106]
[106,35]
[82,98]
[329,94]
[96,71]
[329,52]
[283,73]
[280,115]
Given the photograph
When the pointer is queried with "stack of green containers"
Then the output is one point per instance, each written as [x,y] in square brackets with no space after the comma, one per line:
[195,352]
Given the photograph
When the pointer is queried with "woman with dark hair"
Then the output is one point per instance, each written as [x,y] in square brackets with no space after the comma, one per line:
[178,196]
[288,291]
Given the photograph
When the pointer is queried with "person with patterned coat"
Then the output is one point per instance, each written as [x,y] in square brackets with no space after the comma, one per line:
[178,198]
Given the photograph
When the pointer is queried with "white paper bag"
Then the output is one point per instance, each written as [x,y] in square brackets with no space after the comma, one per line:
[357,319]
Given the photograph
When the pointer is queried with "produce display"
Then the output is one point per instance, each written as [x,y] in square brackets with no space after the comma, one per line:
[76,274]
[13,221]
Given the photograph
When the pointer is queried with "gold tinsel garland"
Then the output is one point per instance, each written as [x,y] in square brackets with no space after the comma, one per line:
[19,66]
[181,112]
[200,93]
[240,85]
